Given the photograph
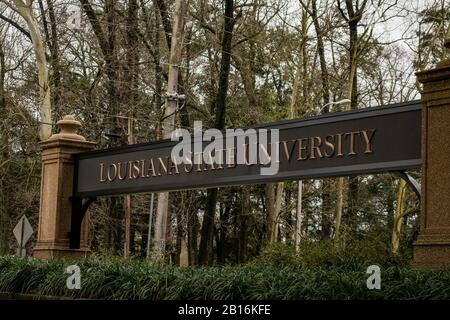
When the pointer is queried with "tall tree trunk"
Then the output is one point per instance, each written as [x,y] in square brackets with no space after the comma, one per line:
[107,42]
[54,50]
[206,241]
[321,51]
[353,16]
[339,207]
[326,196]
[353,183]
[193,226]
[129,98]
[243,226]
[273,193]
[398,216]
[326,214]
[222,233]
[45,110]
[299,74]
[51,38]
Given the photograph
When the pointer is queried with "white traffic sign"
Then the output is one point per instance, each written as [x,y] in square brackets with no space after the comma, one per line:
[22,232]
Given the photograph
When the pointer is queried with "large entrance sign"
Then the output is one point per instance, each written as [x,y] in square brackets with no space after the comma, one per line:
[378,139]
[391,138]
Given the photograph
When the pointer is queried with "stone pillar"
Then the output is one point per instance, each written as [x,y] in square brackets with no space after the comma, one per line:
[55,210]
[432,248]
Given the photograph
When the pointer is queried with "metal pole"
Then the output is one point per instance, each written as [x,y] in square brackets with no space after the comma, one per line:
[150,219]
[128,197]
[21,238]
[298,228]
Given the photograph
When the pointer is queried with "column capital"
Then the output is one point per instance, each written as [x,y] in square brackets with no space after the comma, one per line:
[433,75]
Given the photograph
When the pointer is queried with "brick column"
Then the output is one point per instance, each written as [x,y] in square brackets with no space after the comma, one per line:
[432,248]
[55,210]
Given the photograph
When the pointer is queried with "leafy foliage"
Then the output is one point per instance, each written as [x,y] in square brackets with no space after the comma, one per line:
[128,279]
[350,255]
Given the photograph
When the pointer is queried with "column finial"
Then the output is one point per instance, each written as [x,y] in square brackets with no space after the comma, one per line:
[68,129]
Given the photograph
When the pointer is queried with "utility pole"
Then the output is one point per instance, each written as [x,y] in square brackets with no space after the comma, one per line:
[171,102]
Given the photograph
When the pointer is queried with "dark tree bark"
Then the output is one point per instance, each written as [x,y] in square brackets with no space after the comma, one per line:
[222,232]
[108,46]
[326,213]
[56,67]
[158,68]
[353,17]
[353,183]
[327,209]
[107,42]
[51,40]
[193,226]
[321,52]
[243,232]
[206,242]
[129,92]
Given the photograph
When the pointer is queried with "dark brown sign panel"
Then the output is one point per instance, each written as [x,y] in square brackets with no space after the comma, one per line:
[371,140]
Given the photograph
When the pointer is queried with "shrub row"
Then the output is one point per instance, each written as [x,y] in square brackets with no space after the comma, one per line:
[141,280]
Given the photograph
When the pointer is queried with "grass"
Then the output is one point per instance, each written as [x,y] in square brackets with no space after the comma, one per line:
[120,279]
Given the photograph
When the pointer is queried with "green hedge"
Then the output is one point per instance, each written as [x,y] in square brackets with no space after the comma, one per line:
[140,280]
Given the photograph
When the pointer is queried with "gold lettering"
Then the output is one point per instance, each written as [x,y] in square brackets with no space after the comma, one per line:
[368,139]
[130,167]
[288,152]
[330,145]
[163,165]
[136,169]
[113,165]
[352,142]
[302,149]
[119,170]
[151,168]
[339,152]
[142,168]
[315,147]
[172,166]
[102,167]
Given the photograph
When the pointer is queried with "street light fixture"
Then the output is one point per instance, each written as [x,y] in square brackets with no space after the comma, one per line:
[343,101]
